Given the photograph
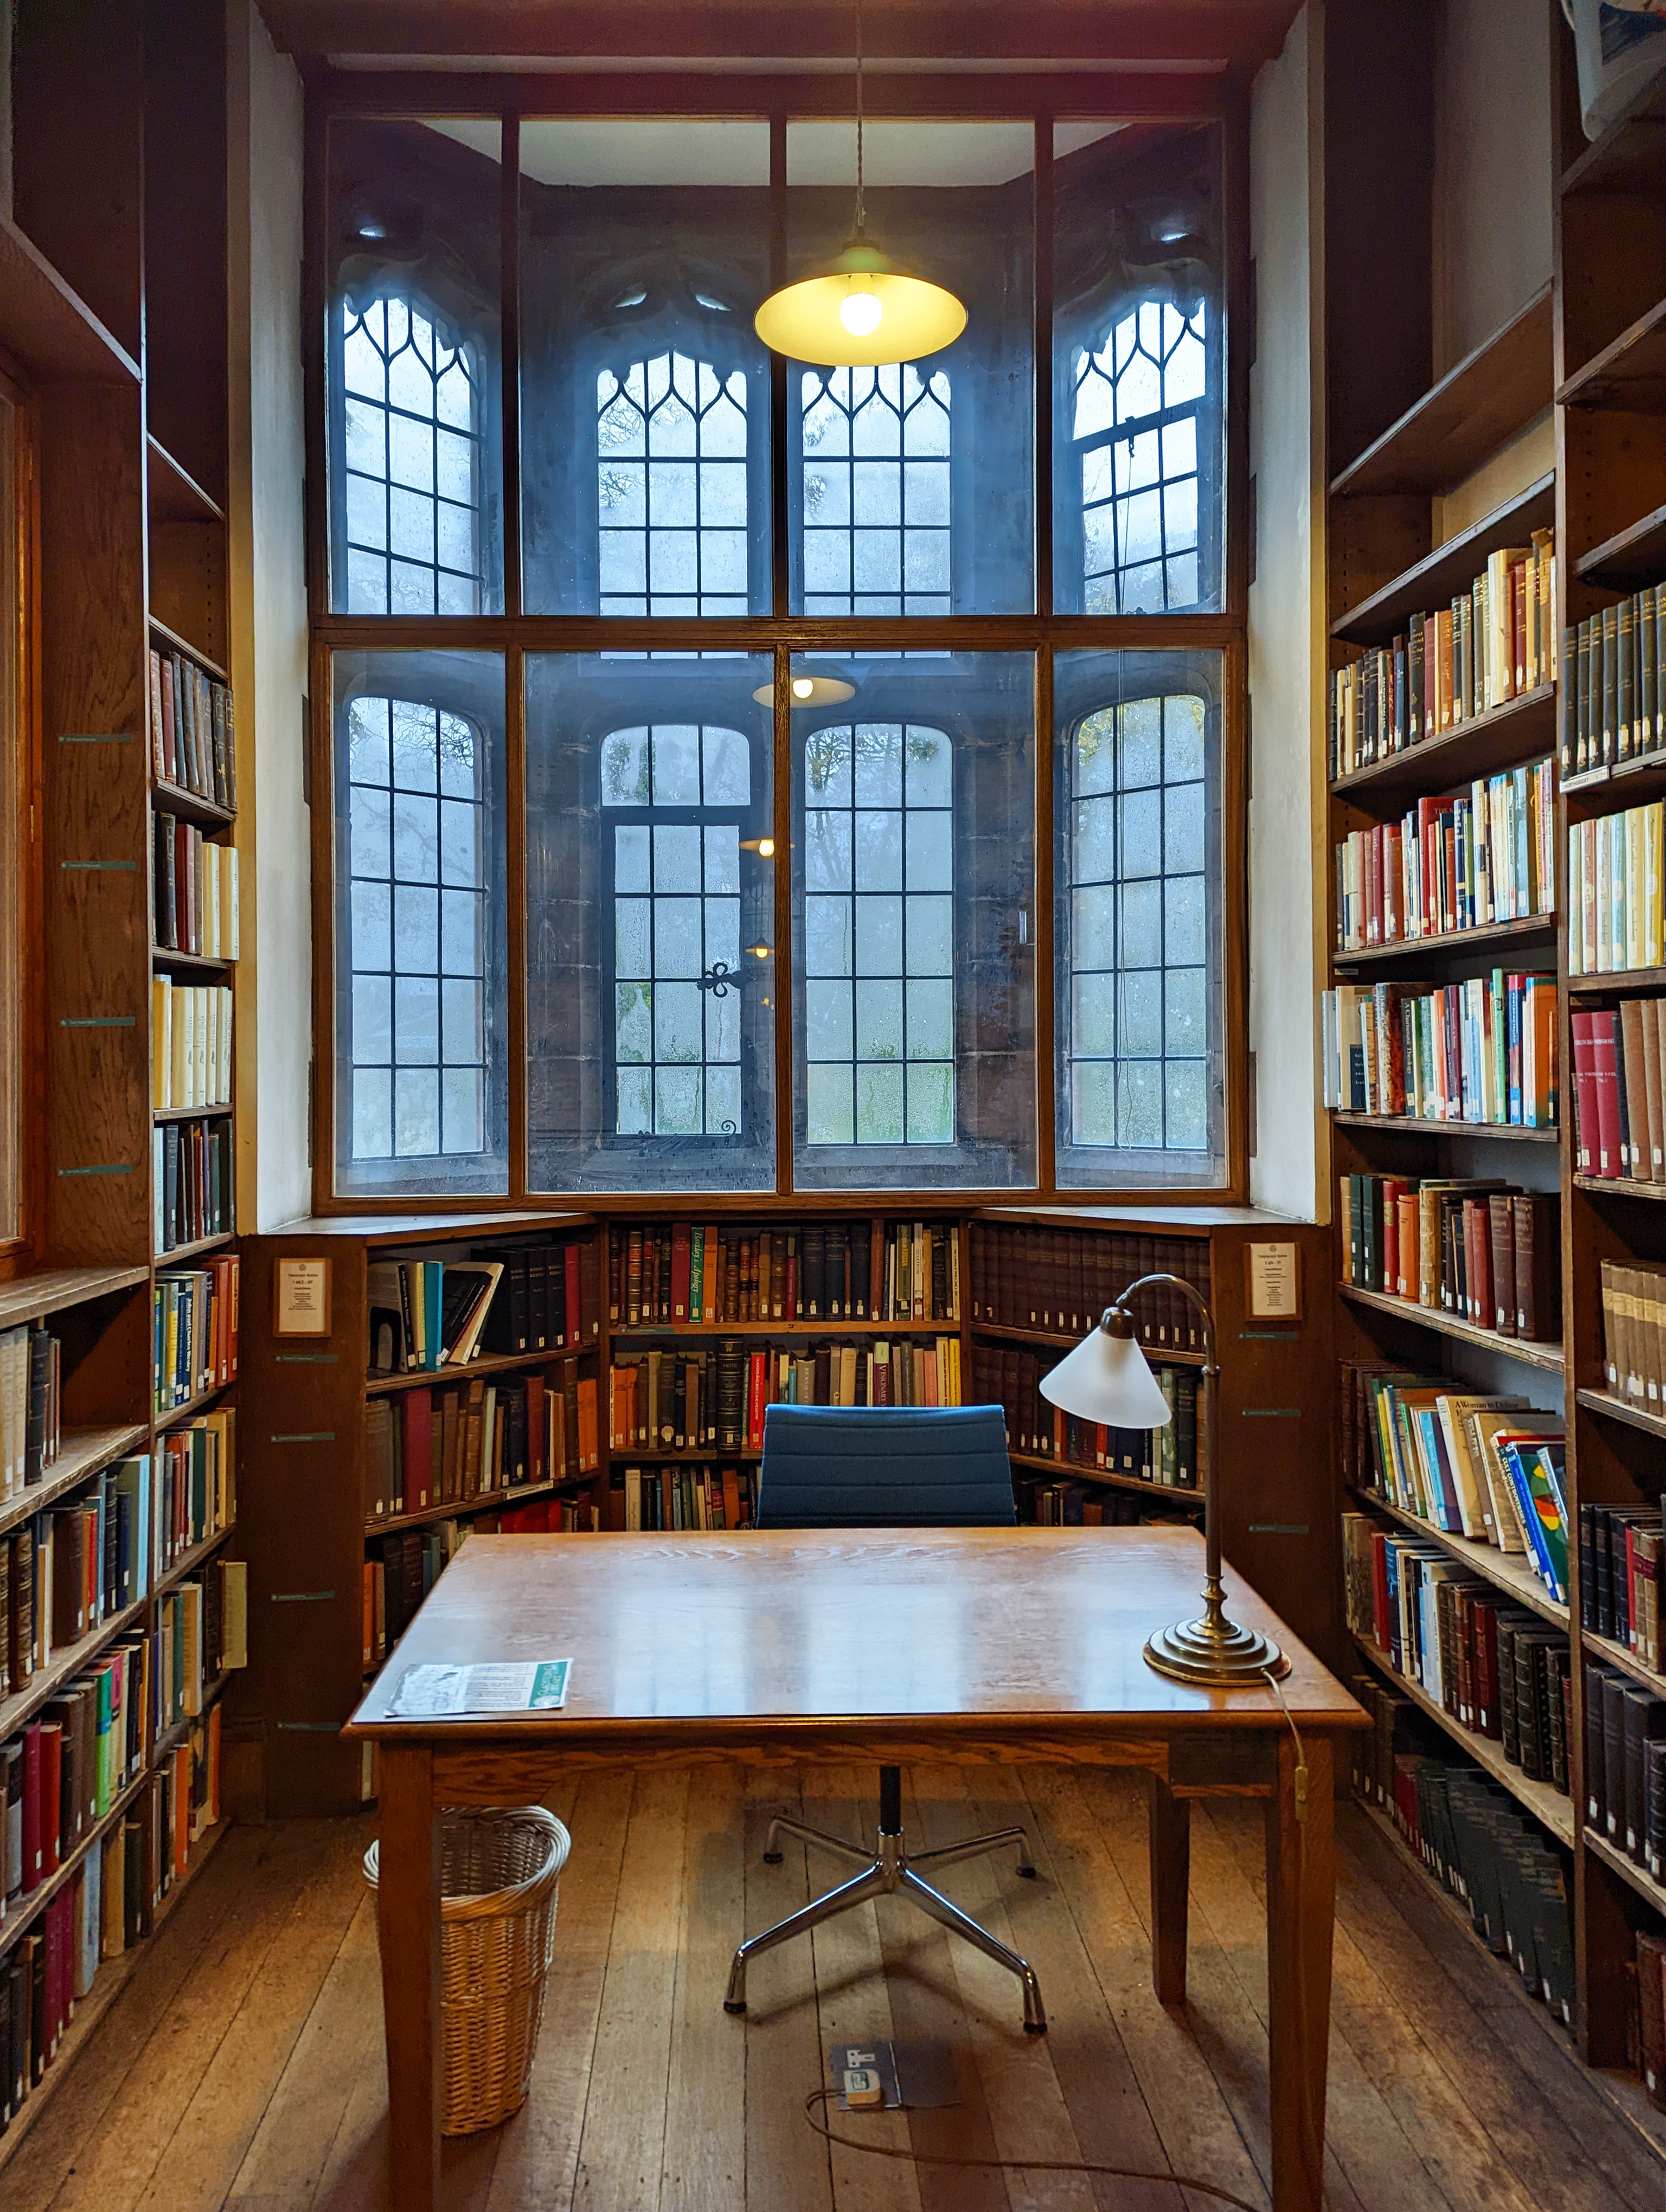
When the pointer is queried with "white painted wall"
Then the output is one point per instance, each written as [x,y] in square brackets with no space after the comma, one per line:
[1289,1166]
[268,602]
[1492,169]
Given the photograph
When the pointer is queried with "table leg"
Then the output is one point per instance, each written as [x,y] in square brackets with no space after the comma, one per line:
[408,1917]
[1301,1903]
[1171,1852]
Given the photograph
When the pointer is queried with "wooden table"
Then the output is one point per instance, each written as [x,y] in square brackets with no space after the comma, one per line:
[954,1646]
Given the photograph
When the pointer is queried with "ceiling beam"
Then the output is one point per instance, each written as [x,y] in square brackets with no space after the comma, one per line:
[944,32]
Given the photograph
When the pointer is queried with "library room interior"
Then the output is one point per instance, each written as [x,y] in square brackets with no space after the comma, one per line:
[864,801]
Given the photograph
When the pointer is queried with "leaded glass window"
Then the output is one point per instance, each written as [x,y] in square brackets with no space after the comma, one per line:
[876,491]
[409,434]
[1138,923]
[417,925]
[670,463]
[1137,398]
[674,798]
[879,935]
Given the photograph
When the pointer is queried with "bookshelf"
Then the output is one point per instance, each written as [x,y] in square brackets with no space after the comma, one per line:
[307,1505]
[1590,349]
[126,378]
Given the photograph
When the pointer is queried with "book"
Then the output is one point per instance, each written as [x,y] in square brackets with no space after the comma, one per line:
[1461,860]
[1481,1052]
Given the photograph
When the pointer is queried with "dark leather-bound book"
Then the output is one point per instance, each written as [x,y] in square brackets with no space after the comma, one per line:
[1538,1266]
[1611,1823]
[1645,1722]
[1501,1237]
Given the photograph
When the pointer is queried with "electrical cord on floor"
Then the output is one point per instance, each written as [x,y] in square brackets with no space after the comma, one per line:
[821,2097]
[1017,2165]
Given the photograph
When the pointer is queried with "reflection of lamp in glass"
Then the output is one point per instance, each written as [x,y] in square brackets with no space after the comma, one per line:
[1106,1380]
[810,691]
[861,311]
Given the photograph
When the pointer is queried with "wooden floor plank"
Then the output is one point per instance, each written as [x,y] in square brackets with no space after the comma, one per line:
[242,2065]
[621,2150]
[705,2145]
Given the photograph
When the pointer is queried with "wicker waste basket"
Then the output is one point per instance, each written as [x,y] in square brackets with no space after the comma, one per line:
[499,1870]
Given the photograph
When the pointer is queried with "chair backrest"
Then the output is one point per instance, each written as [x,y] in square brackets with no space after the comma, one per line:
[885,1467]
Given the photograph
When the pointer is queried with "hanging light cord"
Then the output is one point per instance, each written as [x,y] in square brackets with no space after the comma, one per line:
[862,199]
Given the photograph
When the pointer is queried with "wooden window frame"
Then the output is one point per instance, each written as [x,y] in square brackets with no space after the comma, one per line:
[1046,99]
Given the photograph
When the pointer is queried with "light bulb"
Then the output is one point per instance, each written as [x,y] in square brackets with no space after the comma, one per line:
[860,312]
[804,687]
[766,849]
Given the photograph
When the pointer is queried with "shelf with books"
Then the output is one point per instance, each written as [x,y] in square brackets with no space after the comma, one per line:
[49,1291]
[619,1330]
[487,1501]
[1617,1655]
[1620,1187]
[664,1455]
[1411,1124]
[1620,982]
[1444,436]
[1505,1571]
[22,1912]
[1530,1351]
[188,1562]
[1067,1340]
[1450,570]
[82,1454]
[1547,1805]
[180,1254]
[174,799]
[197,963]
[1650,1891]
[160,632]
[66,1661]
[1628,375]
[1630,559]
[1416,952]
[1064,1470]
[1522,729]
[1620,1409]
[487,1363]
[169,1417]
[217,1112]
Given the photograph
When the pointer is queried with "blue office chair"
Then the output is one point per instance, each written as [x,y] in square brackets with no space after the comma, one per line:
[887,1466]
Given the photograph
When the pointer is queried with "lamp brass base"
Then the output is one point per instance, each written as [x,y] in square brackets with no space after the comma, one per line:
[1214,1652]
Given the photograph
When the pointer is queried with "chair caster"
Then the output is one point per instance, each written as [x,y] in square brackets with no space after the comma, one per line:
[1035,2027]
[740,2007]
[1028,1873]
[772,1858]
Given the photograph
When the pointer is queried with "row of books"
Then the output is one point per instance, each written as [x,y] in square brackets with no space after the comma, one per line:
[1634,1318]
[193,742]
[1456,862]
[427,1313]
[191,1036]
[1469,1246]
[1616,922]
[481,1438]
[1168,1457]
[1489,1467]
[693,1497]
[1626,1765]
[195,885]
[194,1331]
[1481,1052]
[686,1402]
[30,1425]
[548,1301]
[1047,1505]
[1648,2045]
[1495,642]
[1613,707]
[196,1484]
[1620,1549]
[191,1169]
[695,1272]
[103,1909]
[73,1565]
[1474,1840]
[1619,1091]
[1496,1668]
[1059,1281]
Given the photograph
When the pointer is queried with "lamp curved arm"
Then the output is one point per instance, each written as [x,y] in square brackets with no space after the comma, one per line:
[1119,1304]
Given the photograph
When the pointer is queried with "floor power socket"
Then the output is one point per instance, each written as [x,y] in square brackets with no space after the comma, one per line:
[868,2076]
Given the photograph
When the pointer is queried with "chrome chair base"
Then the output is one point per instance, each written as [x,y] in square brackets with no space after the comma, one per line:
[888,1872]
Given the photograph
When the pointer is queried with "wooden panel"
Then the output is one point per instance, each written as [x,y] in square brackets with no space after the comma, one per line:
[184,223]
[300,1514]
[188,583]
[78,74]
[51,335]
[97,843]
[1449,570]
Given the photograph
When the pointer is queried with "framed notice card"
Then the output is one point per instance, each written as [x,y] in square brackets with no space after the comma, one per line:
[300,1299]
[1275,1282]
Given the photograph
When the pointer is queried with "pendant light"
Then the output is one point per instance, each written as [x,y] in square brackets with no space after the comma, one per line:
[861,311]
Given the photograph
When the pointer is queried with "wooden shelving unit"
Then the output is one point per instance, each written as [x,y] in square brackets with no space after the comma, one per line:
[129,386]
[1592,350]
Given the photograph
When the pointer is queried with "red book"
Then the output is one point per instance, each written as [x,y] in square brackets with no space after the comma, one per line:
[51,1794]
[575,1314]
[679,1272]
[1605,1060]
[534,1429]
[170,743]
[32,1868]
[755,1398]
[730,1498]
[1585,1090]
[418,1410]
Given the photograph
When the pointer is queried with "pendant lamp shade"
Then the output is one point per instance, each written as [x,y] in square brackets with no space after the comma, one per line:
[860,312]
[1105,1379]
[810,691]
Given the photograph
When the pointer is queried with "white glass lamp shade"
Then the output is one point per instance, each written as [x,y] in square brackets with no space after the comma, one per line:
[810,691]
[1105,1379]
[862,311]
